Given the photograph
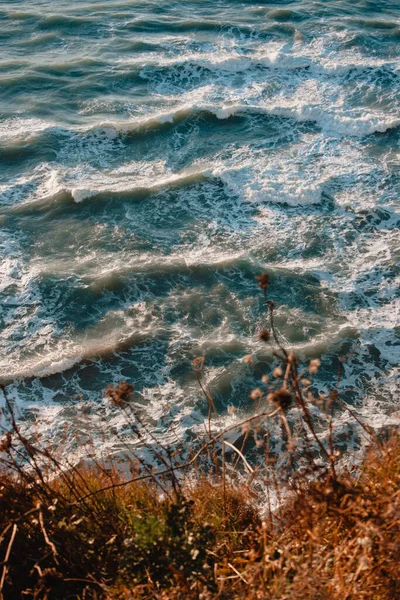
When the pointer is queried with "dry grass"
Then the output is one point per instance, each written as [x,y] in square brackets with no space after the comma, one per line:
[334,539]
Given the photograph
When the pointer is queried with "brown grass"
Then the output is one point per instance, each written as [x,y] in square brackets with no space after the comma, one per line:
[335,539]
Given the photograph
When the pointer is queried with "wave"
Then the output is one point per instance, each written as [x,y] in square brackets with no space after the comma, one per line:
[37,40]
[17,130]
[337,124]
[227,63]
[313,60]
[169,181]
[286,14]
[248,184]
[63,194]
[249,175]
[153,265]
[329,122]
[50,21]
[61,359]
[374,23]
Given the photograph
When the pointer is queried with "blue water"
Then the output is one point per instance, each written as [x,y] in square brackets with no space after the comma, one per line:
[154,158]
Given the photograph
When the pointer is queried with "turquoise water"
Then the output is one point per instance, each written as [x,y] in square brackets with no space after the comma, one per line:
[153,160]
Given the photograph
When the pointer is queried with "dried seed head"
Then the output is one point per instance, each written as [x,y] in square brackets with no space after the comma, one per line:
[120,394]
[281,398]
[264,335]
[265,379]
[314,365]
[256,394]
[277,372]
[198,363]
[6,442]
[248,359]
[263,280]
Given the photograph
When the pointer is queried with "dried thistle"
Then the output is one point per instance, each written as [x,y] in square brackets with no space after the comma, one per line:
[314,365]
[263,280]
[198,364]
[6,442]
[281,398]
[264,335]
[256,394]
[120,394]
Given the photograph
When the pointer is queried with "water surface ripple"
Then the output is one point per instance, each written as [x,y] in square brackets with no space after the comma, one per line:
[153,160]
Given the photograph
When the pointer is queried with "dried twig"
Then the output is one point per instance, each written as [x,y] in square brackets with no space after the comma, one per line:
[249,468]
[46,537]
[6,559]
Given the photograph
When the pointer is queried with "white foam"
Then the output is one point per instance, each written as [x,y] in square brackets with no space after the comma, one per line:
[116,329]
[47,367]
[341,124]
[22,128]
[320,56]
[293,108]
[81,194]
[41,184]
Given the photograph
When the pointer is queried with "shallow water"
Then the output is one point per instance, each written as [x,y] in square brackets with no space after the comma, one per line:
[155,159]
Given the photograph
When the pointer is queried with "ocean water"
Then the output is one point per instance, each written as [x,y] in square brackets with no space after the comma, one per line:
[156,157]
